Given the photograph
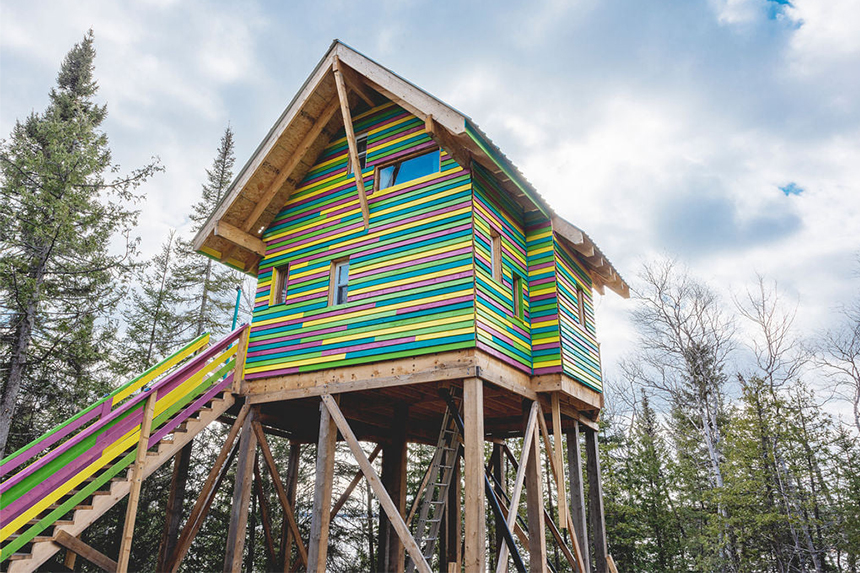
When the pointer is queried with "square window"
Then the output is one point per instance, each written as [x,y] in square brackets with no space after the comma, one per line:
[338,291]
[280,278]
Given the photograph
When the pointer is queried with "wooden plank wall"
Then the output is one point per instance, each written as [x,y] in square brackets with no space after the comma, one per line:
[580,353]
[411,274]
[546,341]
[500,332]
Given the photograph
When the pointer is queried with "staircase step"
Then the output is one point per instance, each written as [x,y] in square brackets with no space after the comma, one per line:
[20,556]
[58,522]
[37,539]
[76,508]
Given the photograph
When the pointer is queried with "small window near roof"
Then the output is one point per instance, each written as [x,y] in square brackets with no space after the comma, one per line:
[279,284]
[518,296]
[496,255]
[580,305]
[408,169]
[361,147]
[338,291]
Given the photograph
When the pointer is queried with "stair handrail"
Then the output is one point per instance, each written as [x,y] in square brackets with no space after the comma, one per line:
[60,431]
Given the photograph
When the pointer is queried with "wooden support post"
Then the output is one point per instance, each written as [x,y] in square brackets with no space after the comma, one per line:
[136,482]
[78,547]
[473,444]
[529,442]
[453,526]
[390,549]
[318,548]
[595,501]
[577,494]
[173,511]
[559,461]
[241,495]
[350,139]
[281,491]
[534,506]
[207,494]
[394,515]
[292,479]
[265,516]
[497,465]
[241,353]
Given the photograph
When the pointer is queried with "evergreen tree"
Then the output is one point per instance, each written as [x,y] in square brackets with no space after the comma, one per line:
[153,321]
[210,288]
[58,217]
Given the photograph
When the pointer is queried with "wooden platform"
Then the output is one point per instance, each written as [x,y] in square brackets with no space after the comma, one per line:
[370,395]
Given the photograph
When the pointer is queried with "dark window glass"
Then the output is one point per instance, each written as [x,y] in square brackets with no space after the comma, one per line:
[361,148]
[409,169]
[580,305]
[280,284]
[341,282]
[518,296]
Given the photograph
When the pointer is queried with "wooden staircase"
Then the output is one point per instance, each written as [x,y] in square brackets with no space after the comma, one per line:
[43,547]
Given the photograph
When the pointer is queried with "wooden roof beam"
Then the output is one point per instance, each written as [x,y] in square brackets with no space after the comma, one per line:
[301,150]
[446,141]
[350,138]
[354,81]
[239,237]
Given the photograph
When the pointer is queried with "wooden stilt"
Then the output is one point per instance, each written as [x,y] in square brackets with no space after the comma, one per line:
[136,483]
[241,495]
[595,501]
[318,546]
[577,494]
[388,505]
[391,552]
[173,511]
[453,524]
[69,559]
[265,516]
[281,491]
[292,478]
[497,466]
[473,439]
[534,508]
[558,457]
[207,494]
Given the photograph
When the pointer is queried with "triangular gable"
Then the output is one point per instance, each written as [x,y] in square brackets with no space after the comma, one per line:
[289,150]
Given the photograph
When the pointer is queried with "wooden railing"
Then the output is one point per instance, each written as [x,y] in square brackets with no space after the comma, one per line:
[81,455]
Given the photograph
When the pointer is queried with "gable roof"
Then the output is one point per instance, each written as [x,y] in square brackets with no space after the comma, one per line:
[289,150]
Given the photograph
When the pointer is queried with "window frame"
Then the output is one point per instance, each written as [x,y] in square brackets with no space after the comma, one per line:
[580,306]
[362,155]
[333,284]
[519,299]
[380,166]
[496,256]
[280,284]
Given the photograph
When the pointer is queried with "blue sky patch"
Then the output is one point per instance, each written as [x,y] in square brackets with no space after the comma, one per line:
[791,189]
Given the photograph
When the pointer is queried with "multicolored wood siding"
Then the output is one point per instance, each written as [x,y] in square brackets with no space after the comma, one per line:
[420,278]
[411,280]
[546,340]
[500,332]
[579,349]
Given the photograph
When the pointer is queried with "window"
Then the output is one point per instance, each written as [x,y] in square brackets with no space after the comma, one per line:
[580,305]
[496,255]
[408,169]
[280,276]
[339,282]
[361,147]
[518,296]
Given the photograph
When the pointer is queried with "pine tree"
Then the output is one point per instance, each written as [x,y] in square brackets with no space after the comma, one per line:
[210,288]
[153,320]
[58,217]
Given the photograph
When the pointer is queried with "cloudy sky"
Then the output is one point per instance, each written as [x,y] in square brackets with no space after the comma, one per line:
[723,132]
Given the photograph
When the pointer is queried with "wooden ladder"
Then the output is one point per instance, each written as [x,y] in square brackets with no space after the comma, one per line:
[438,481]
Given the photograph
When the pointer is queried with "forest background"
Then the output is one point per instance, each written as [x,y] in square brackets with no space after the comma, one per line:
[730,441]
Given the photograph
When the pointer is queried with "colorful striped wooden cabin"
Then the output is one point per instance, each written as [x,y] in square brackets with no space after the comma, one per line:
[434,288]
